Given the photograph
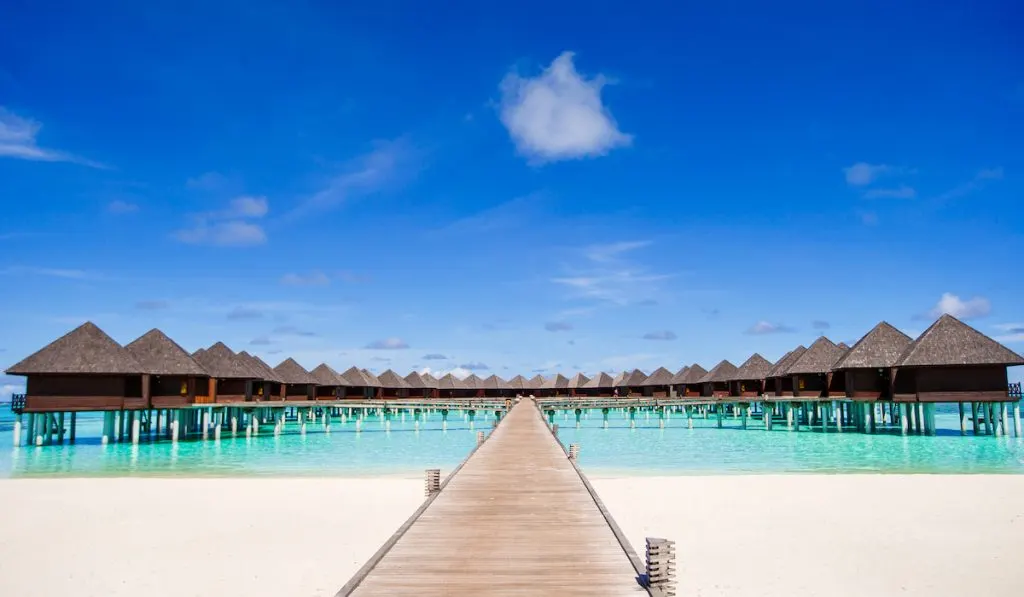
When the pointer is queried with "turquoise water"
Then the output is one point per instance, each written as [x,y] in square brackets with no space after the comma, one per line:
[399,451]
[705,449]
[618,450]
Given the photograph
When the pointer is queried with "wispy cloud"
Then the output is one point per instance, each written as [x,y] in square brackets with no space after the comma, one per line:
[291,330]
[868,218]
[310,279]
[767,327]
[243,313]
[558,326]
[863,173]
[819,324]
[609,277]
[208,181]
[1011,332]
[474,366]
[120,207]
[49,272]
[18,140]
[558,115]
[230,227]
[434,357]
[952,304]
[660,335]
[900,192]
[506,216]
[978,182]
[388,165]
[388,344]
[607,253]
[261,341]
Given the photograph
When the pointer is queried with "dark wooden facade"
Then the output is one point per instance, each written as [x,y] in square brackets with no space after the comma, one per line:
[980,383]
[68,393]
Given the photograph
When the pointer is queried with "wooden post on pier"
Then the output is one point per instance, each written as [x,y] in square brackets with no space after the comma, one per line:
[661,565]
[479,438]
[1016,418]
[432,482]
[574,451]
[17,430]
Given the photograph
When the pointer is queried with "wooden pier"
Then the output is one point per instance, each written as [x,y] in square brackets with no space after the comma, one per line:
[517,518]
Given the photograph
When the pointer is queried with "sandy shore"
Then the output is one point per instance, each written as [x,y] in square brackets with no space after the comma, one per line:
[840,535]
[181,537]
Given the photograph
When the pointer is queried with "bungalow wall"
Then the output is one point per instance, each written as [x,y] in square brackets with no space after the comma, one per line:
[175,391]
[746,388]
[390,393]
[51,393]
[692,390]
[866,384]
[233,390]
[961,384]
[656,391]
[298,392]
[835,383]
[781,386]
[716,389]
[329,392]
[813,385]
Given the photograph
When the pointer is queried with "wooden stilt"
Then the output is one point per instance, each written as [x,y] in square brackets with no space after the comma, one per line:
[1004,418]
[975,425]
[987,413]
[963,420]
[1016,418]
[904,419]
[17,430]
[41,421]
[60,428]
[136,428]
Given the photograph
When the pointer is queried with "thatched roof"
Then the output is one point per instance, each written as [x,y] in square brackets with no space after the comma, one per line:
[535,382]
[374,380]
[220,362]
[723,371]
[390,379]
[359,378]
[518,383]
[680,375]
[473,381]
[659,377]
[781,367]
[555,382]
[430,379]
[621,377]
[879,348]
[450,382]
[291,372]
[419,382]
[950,341]
[843,345]
[496,383]
[694,374]
[601,380]
[159,355]
[578,380]
[756,367]
[260,367]
[632,379]
[326,376]
[86,349]
[818,358]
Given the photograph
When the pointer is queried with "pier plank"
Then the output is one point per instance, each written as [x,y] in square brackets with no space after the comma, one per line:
[516,519]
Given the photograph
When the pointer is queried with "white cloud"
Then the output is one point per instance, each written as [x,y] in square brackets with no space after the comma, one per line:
[388,344]
[1012,332]
[767,327]
[610,252]
[311,279]
[900,192]
[439,373]
[7,389]
[863,173]
[961,309]
[228,227]
[208,181]
[660,335]
[122,207]
[558,115]
[70,274]
[618,286]
[18,140]
[975,184]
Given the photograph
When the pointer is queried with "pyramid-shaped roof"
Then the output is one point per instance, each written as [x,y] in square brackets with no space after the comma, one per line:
[429,379]
[723,371]
[601,380]
[390,379]
[493,382]
[518,383]
[260,369]
[222,363]
[659,377]
[535,382]
[756,367]
[578,380]
[878,349]
[680,375]
[694,374]
[633,379]
[781,367]
[293,373]
[86,349]
[473,381]
[450,382]
[326,376]
[818,358]
[419,382]
[951,342]
[555,382]
[159,355]
[357,377]
[373,379]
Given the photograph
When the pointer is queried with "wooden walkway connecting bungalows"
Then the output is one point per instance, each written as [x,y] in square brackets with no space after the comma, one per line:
[517,518]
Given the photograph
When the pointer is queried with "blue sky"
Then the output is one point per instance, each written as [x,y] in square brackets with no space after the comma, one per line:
[589,187]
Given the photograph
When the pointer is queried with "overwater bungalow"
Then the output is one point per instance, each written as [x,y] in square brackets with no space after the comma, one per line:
[534,384]
[778,383]
[601,385]
[496,387]
[450,386]
[715,383]
[420,386]
[867,367]
[299,384]
[83,370]
[748,380]
[576,382]
[476,384]
[953,362]
[268,385]
[556,385]
[363,385]
[677,381]
[810,371]
[231,378]
[330,385]
[658,384]
[171,377]
[393,385]
[518,384]
[632,383]
[690,384]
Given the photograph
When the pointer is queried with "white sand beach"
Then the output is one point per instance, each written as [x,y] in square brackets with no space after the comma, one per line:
[791,535]
[835,535]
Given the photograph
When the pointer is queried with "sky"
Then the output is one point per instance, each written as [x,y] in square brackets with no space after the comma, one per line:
[593,186]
